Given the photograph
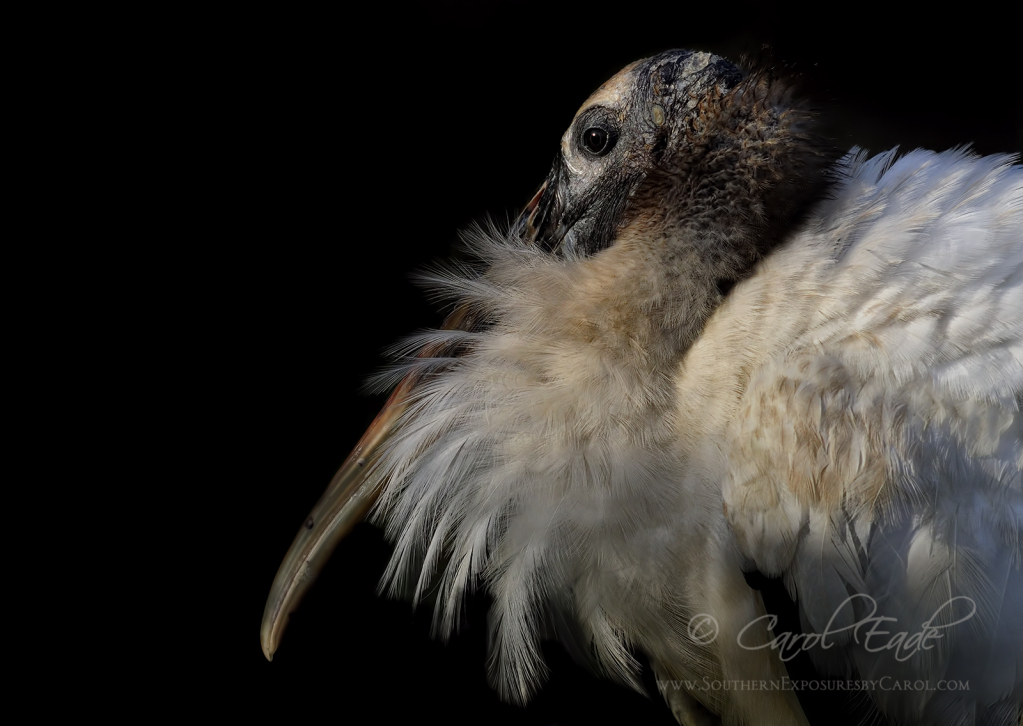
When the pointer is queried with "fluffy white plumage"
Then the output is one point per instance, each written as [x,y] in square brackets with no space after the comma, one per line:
[848,418]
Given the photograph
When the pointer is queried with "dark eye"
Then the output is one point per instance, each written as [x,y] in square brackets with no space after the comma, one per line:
[598,141]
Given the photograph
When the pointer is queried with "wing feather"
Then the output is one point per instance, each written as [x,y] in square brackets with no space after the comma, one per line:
[875,454]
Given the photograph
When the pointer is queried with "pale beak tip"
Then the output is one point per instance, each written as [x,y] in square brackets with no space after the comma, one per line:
[268,650]
[268,641]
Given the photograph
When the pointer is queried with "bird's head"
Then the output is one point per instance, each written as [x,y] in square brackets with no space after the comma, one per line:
[683,147]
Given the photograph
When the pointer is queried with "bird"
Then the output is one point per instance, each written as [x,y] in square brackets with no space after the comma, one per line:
[712,345]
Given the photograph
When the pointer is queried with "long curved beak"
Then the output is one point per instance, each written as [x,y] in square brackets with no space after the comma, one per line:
[345,503]
[356,486]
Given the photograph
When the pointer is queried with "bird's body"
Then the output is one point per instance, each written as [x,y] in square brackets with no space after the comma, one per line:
[621,432]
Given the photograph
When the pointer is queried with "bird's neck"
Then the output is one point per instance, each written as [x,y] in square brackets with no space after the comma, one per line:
[639,303]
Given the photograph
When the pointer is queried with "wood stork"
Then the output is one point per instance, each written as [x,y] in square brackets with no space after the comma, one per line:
[709,346]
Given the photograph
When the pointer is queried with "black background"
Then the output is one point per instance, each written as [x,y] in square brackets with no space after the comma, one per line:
[321,160]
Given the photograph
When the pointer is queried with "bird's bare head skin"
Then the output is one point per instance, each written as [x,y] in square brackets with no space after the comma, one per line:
[687,146]
[709,344]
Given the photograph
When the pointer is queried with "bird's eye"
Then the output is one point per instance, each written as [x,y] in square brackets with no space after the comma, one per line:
[598,141]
